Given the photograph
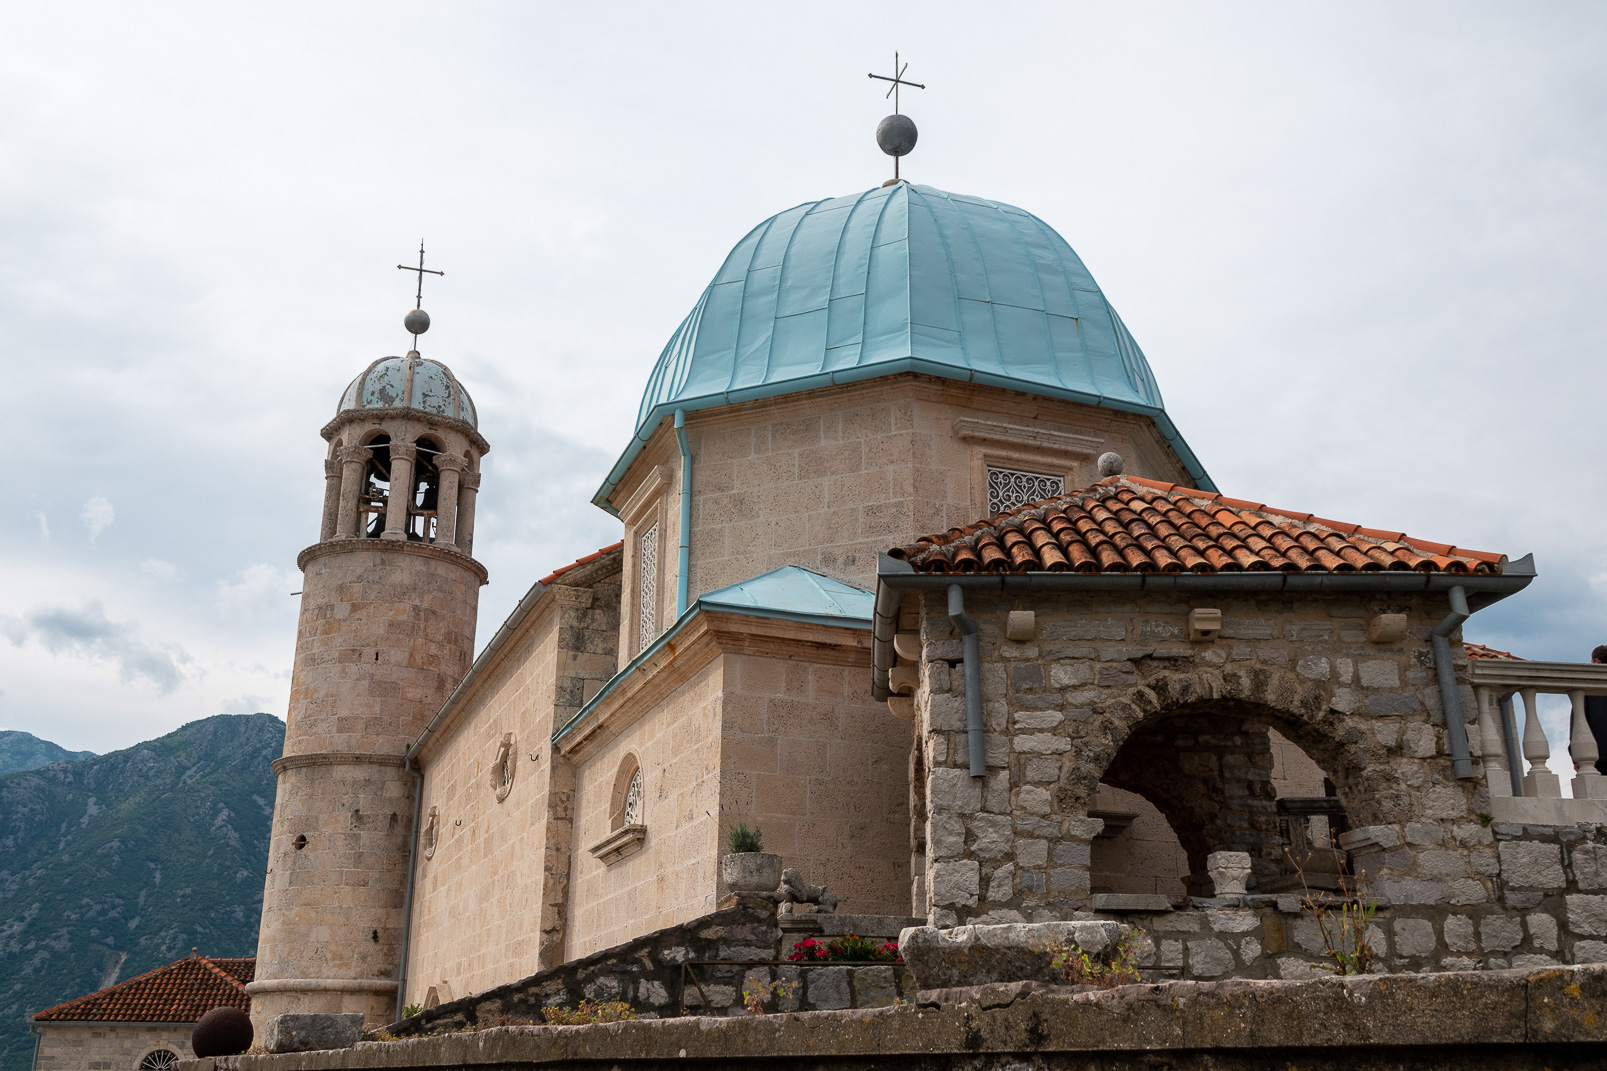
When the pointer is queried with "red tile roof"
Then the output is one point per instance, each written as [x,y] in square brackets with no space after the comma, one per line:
[578,562]
[1478,650]
[181,992]
[1126,524]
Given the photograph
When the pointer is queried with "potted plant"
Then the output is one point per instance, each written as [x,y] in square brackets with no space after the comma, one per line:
[748,868]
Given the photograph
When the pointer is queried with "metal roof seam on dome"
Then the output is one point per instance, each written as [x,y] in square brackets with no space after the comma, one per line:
[951,286]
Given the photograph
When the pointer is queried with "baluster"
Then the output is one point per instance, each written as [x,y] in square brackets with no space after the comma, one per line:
[1539,781]
[1588,783]
[1492,746]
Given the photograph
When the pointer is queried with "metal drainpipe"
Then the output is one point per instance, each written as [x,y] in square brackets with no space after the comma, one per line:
[683,564]
[407,899]
[969,649]
[38,1033]
[1450,699]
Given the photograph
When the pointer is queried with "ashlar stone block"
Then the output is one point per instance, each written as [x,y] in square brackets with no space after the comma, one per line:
[1587,915]
[1531,864]
[1589,865]
[1414,937]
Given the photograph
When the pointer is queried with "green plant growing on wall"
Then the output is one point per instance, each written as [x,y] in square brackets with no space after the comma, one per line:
[590,1011]
[755,993]
[1343,919]
[744,840]
[1075,966]
[410,1010]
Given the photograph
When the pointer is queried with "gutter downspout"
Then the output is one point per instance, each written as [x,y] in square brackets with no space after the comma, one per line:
[38,1033]
[1450,699]
[971,654]
[407,897]
[683,563]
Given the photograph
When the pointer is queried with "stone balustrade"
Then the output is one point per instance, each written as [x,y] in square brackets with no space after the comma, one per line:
[1536,796]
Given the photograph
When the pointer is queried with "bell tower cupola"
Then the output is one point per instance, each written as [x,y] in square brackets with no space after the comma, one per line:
[390,591]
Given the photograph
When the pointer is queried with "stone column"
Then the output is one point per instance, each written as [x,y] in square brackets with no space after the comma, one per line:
[446,498]
[401,497]
[352,460]
[326,529]
[468,488]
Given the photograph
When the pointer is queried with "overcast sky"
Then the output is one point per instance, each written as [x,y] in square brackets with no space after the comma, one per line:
[1364,247]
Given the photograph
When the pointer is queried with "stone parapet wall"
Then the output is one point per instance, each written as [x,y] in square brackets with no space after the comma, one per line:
[92,1046]
[646,973]
[1507,1020]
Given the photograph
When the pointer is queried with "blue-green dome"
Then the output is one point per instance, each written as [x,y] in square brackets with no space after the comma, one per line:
[902,279]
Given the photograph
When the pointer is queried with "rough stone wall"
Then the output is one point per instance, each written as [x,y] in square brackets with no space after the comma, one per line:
[109,1046]
[1061,706]
[827,479]
[1507,1021]
[475,897]
[809,759]
[672,877]
[646,973]
[1144,857]
[1109,689]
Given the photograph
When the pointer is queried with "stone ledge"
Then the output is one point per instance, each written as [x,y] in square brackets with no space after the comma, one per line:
[1438,1020]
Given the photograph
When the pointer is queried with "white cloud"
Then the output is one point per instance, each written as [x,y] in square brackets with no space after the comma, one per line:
[88,633]
[44,529]
[260,586]
[98,516]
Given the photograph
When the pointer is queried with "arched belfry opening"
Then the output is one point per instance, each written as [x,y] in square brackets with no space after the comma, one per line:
[375,495]
[424,502]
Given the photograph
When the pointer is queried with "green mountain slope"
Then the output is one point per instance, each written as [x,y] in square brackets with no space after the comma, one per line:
[25,751]
[118,864]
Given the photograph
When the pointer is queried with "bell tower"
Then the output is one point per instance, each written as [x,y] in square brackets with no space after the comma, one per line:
[386,632]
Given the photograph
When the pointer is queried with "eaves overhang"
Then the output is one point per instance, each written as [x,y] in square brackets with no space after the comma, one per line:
[894,577]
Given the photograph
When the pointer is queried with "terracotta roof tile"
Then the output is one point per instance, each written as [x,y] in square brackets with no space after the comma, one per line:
[1478,650]
[578,562]
[180,992]
[1125,524]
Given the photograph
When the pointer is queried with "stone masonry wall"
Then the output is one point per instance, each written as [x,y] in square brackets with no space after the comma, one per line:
[109,1046]
[646,973]
[478,896]
[1106,672]
[808,759]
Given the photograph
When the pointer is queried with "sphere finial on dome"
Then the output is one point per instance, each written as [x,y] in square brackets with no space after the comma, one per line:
[896,134]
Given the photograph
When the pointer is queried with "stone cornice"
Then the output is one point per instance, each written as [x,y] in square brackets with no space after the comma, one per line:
[443,551]
[974,429]
[379,416]
[701,638]
[333,758]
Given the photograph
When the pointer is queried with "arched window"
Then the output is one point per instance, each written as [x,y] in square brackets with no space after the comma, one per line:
[158,1060]
[375,494]
[627,808]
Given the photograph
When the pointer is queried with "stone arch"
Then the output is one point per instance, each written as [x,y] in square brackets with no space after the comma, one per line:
[626,803]
[1216,808]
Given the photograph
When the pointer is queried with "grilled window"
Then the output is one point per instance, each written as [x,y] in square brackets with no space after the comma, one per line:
[1009,488]
[647,588]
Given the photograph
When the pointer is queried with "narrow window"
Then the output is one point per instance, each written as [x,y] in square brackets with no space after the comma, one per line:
[647,588]
[1009,488]
[626,807]
[431,833]
[633,800]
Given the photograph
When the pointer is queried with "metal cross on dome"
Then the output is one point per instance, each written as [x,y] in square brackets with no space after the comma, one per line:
[898,80]
[418,299]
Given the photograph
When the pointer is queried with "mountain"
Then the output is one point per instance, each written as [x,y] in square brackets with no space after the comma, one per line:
[115,865]
[25,751]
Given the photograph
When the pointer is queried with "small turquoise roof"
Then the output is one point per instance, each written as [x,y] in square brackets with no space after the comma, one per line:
[794,592]
[901,279]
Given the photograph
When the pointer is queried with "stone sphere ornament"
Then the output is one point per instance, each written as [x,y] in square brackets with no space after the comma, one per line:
[222,1032]
[417,322]
[896,135]
[1110,464]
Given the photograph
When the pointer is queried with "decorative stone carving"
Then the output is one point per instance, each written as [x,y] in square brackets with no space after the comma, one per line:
[794,891]
[1230,872]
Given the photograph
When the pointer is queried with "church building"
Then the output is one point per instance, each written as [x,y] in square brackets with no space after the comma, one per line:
[877,397]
